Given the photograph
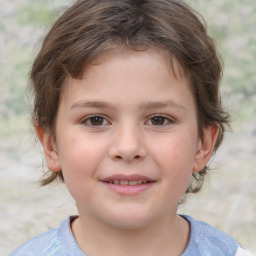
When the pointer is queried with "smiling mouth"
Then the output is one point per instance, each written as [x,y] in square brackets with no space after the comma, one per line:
[128,182]
[128,185]
[121,180]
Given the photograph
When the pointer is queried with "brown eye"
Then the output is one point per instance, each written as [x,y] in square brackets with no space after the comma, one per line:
[95,121]
[158,120]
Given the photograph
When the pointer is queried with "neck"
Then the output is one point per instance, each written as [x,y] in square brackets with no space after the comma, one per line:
[168,236]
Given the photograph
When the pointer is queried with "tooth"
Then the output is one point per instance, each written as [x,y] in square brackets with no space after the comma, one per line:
[124,182]
[133,182]
[144,181]
[139,182]
[116,182]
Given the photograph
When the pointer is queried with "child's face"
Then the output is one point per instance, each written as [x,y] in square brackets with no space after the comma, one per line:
[129,120]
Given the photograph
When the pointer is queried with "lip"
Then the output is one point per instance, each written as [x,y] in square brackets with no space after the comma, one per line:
[128,190]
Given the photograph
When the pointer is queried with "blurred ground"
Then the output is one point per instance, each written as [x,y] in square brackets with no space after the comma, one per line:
[227,200]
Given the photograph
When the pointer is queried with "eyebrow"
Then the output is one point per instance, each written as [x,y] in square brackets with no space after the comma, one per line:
[162,104]
[91,104]
[146,105]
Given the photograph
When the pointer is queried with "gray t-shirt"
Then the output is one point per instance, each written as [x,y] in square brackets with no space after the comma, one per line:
[204,240]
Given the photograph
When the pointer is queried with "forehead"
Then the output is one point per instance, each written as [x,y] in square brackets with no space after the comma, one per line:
[149,73]
[171,61]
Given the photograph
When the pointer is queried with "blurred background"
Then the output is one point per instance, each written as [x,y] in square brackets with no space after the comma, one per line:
[228,199]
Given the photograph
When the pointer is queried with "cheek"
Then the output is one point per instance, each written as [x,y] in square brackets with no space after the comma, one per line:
[80,157]
[175,161]
[175,155]
[80,162]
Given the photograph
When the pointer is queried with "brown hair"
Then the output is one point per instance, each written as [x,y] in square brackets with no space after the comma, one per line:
[90,28]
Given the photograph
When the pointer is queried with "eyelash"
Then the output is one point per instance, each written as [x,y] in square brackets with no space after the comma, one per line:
[103,121]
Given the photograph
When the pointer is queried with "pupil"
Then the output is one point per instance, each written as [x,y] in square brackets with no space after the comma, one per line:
[157,120]
[97,120]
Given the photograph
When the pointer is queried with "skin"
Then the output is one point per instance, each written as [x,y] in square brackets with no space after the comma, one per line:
[133,133]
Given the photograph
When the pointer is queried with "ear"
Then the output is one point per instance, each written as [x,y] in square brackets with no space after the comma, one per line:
[205,147]
[50,148]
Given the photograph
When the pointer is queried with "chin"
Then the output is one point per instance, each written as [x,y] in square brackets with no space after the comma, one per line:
[129,220]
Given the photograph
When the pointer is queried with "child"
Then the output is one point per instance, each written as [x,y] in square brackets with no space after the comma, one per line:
[128,112]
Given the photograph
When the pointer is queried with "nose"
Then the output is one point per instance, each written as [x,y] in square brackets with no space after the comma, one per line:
[127,144]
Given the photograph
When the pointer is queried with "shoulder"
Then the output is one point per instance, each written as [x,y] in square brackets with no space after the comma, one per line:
[53,242]
[42,244]
[207,240]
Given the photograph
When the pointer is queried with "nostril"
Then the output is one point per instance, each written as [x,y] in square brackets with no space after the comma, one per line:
[135,157]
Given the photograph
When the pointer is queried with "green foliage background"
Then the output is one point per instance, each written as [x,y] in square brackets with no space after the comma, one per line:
[231,23]
[22,26]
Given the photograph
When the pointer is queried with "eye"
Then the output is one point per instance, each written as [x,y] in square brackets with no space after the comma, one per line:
[159,120]
[95,120]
